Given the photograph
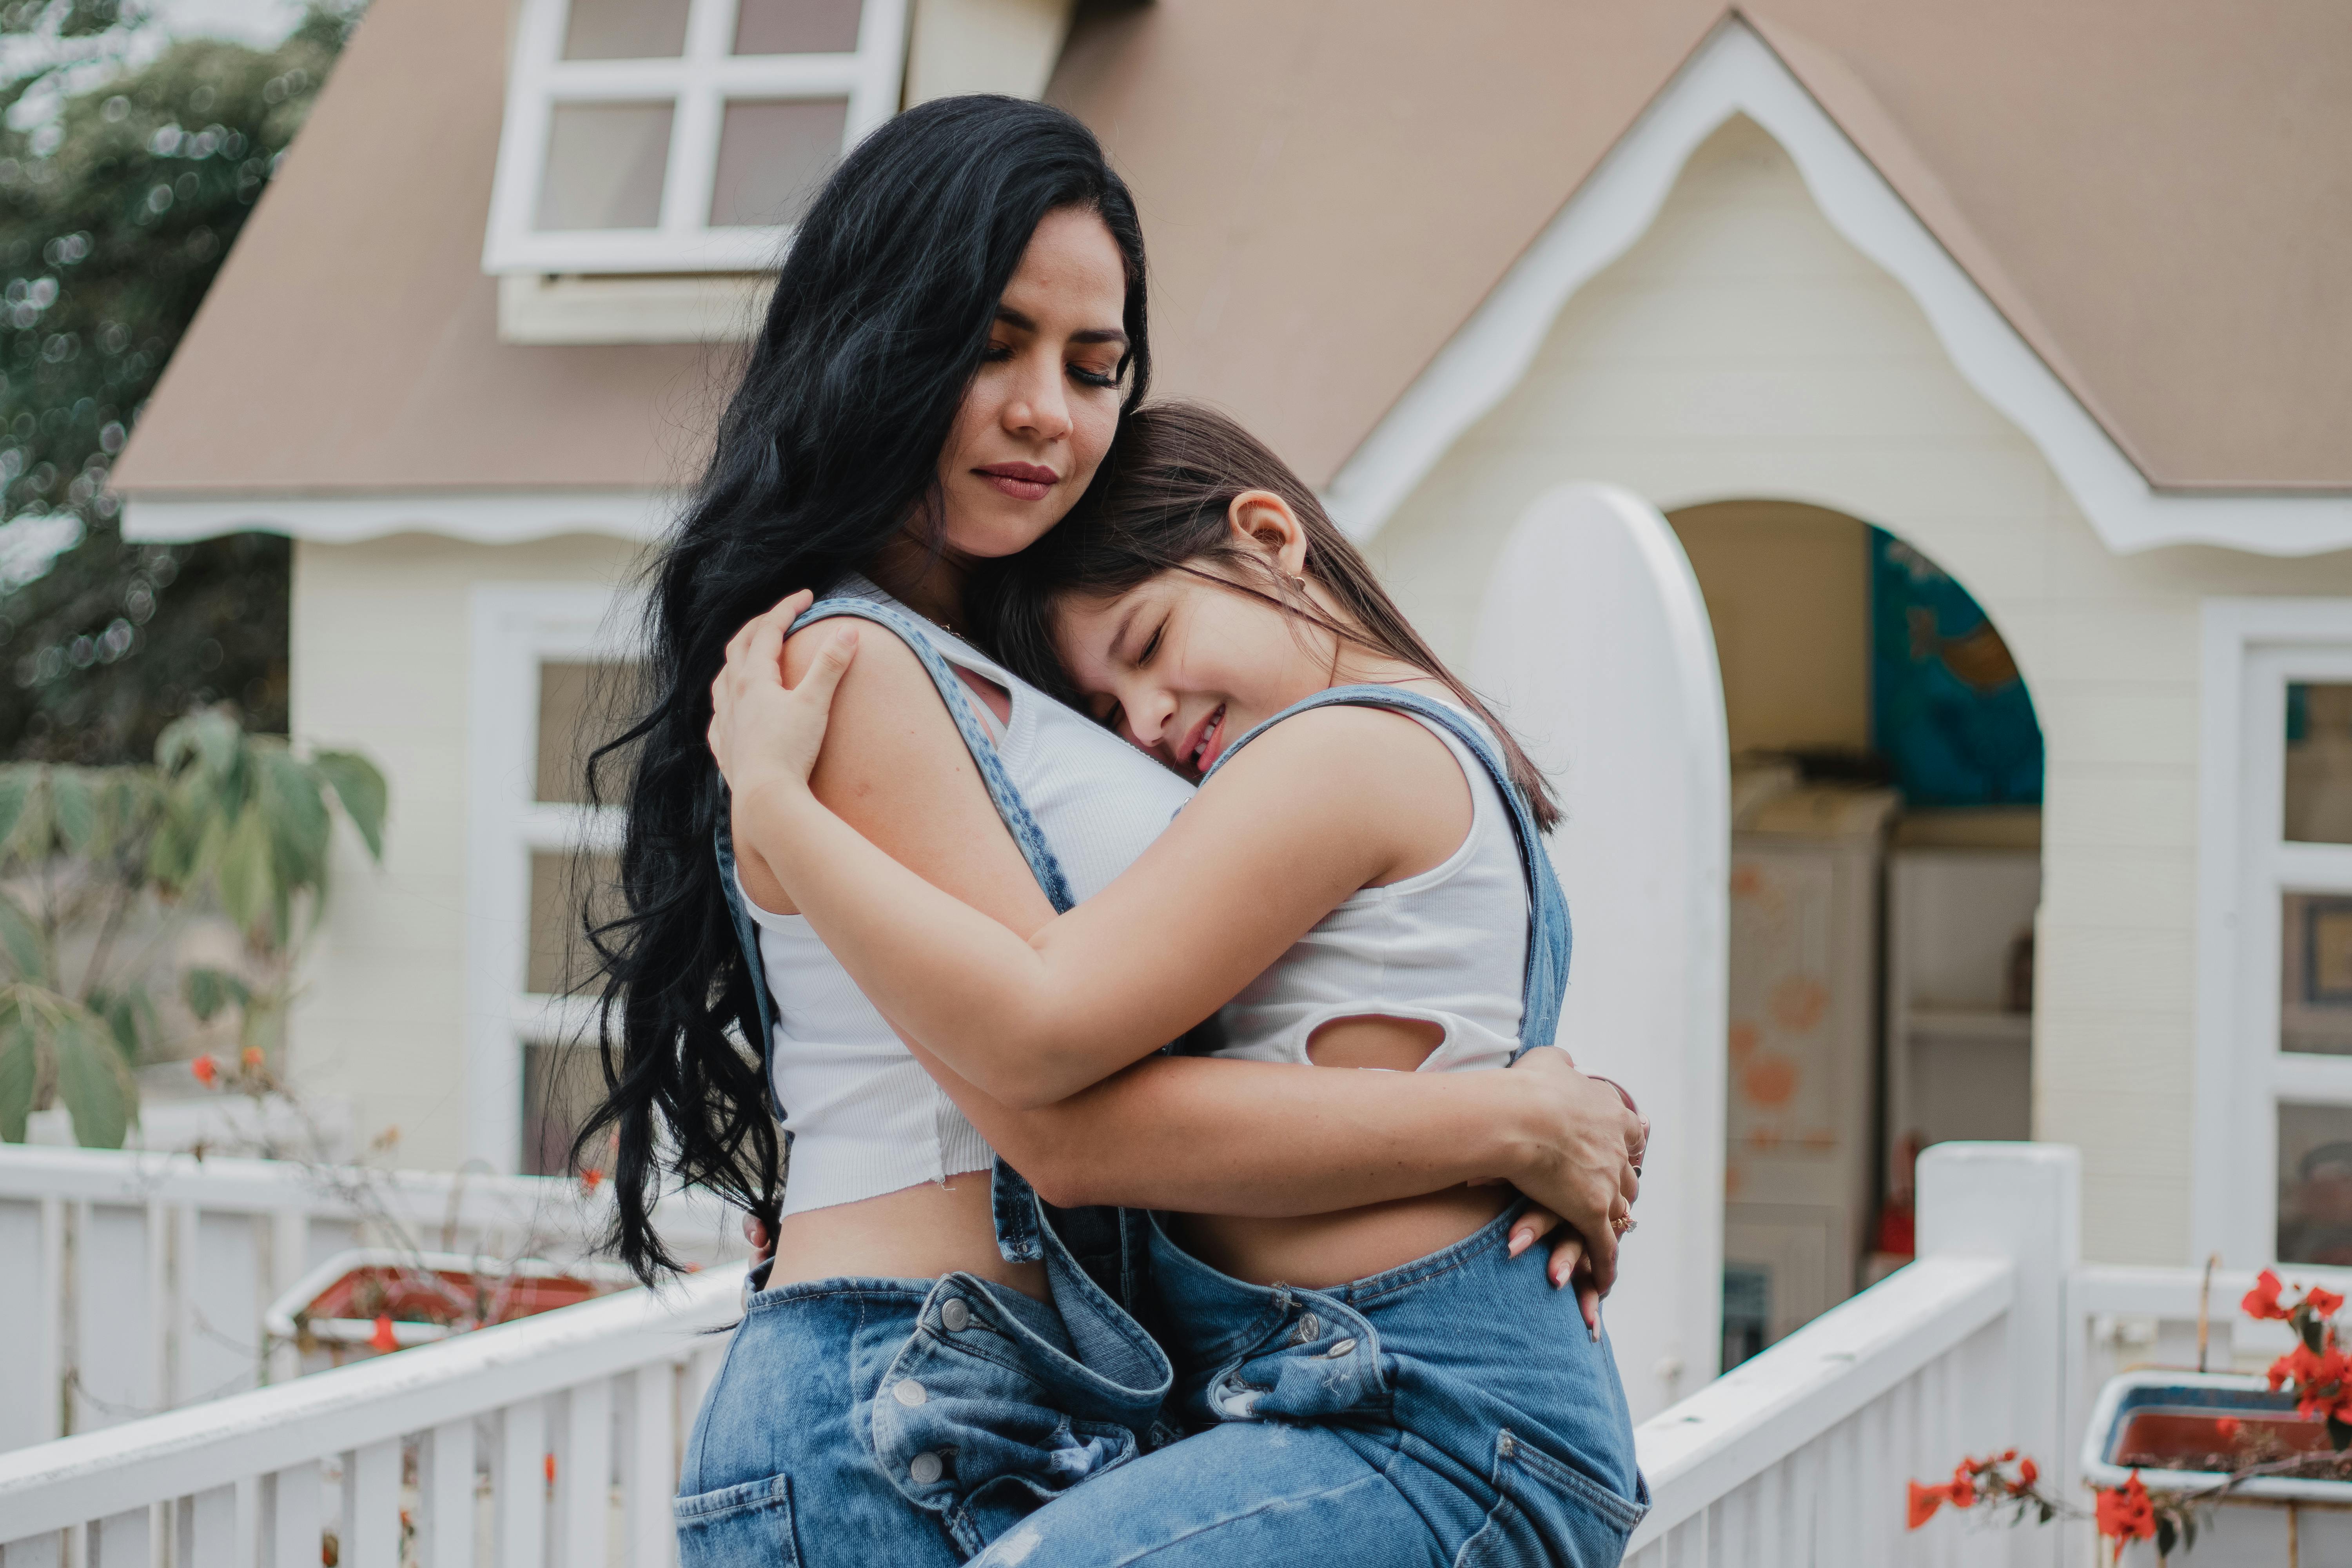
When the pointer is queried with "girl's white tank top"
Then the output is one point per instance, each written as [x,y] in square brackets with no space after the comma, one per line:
[1448,947]
[866,1118]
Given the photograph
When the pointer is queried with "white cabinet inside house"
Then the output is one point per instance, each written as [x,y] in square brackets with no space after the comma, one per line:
[1960,998]
[1801,1096]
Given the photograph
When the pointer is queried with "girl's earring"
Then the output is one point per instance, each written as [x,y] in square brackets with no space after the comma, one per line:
[1298,583]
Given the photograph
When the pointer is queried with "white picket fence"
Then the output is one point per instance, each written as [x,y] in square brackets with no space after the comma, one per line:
[134,1283]
[551,1440]
[555,1440]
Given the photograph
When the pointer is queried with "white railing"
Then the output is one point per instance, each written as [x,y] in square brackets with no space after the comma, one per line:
[1799,1456]
[553,1440]
[135,1283]
[1998,1337]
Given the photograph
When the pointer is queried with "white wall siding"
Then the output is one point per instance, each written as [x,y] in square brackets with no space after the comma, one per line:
[1743,349]
[381,660]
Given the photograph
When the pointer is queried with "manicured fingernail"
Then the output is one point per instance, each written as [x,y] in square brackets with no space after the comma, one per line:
[1559,1276]
[1594,1331]
[1521,1241]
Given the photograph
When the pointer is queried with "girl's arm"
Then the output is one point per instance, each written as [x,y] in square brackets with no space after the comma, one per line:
[1325,804]
[1191,1134]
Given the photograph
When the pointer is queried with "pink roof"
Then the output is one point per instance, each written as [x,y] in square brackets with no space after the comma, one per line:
[2156,198]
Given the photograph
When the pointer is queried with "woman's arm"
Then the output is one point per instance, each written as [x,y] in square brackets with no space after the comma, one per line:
[1316,809]
[1185,1133]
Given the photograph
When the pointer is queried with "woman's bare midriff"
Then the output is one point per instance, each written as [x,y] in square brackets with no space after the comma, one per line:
[1318,1251]
[914,1233]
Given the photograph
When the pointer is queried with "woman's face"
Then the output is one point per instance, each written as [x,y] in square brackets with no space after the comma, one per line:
[1041,412]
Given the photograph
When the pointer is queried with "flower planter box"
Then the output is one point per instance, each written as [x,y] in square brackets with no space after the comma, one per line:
[427,1296]
[2165,1425]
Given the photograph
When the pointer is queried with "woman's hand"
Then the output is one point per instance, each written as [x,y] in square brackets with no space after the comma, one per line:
[762,731]
[1581,1167]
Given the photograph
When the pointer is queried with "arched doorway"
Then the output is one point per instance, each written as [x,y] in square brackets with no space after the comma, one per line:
[1886,799]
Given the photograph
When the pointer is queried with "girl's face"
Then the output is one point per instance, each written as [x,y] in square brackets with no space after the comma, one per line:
[1037,418]
[1182,666]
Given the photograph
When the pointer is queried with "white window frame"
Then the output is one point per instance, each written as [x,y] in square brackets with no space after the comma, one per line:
[699,80]
[516,628]
[2252,649]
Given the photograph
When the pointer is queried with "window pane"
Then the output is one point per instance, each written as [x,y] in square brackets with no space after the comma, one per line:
[2319,762]
[605,163]
[626,30]
[560,957]
[2315,972]
[560,1086]
[2315,1209]
[772,157]
[797,27]
[575,707]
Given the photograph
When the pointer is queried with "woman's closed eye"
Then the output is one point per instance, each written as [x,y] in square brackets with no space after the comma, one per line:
[1152,646]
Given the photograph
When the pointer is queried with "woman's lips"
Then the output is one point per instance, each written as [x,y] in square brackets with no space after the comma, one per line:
[1021,481]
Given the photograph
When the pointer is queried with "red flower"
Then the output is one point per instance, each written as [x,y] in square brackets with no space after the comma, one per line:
[252,1058]
[384,1339]
[1960,1491]
[2227,1428]
[550,1469]
[1925,1501]
[2027,1474]
[591,1179]
[2124,1511]
[205,1069]
[2325,1303]
[2262,1301]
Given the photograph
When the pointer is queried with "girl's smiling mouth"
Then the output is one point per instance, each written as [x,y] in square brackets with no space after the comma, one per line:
[1203,745]
[1021,481]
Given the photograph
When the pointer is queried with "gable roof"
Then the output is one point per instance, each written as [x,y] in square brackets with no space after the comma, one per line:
[2155,197]
[1330,191]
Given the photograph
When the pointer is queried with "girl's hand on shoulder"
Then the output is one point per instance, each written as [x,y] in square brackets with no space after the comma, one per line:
[762,731]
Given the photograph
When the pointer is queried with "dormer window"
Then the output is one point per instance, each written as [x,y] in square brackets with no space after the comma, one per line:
[668,136]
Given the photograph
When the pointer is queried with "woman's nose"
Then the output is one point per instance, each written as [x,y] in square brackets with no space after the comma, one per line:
[1039,406]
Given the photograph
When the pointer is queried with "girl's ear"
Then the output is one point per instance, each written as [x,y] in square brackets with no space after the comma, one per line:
[1262,522]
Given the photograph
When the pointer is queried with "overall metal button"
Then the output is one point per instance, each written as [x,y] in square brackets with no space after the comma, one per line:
[927,1468]
[909,1392]
[1310,1329]
[955,1314]
[1334,1354]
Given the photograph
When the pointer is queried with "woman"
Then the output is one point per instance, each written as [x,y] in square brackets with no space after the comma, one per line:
[1386,1379]
[953,336]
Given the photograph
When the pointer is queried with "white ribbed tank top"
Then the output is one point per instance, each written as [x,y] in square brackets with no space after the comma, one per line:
[1448,946]
[866,1118]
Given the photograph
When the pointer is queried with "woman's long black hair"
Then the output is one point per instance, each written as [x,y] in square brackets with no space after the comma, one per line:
[829,446]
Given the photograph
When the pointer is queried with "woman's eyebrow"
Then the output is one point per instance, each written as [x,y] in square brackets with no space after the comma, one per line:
[1016,318]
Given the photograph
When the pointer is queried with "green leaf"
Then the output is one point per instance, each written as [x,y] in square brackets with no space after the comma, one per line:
[21,936]
[2166,1536]
[247,885]
[92,1079]
[360,786]
[208,740]
[299,823]
[75,807]
[15,788]
[130,1017]
[18,1070]
[210,990]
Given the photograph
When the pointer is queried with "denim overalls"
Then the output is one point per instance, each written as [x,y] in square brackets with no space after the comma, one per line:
[1451,1411]
[910,1421]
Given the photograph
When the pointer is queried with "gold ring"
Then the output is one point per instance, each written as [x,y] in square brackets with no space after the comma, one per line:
[1621,1225]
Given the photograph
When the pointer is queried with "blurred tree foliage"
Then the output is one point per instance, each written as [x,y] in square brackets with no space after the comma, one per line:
[125,173]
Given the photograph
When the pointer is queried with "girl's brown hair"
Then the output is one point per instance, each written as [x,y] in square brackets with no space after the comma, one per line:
[1160,504]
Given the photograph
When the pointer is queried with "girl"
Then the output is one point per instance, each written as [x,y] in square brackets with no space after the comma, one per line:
[1362,865]
[953,337]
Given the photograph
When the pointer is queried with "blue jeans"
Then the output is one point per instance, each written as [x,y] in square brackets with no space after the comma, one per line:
[1452,1412]
[899,1421]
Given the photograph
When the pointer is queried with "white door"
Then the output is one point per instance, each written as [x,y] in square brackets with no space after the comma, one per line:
[1594,642]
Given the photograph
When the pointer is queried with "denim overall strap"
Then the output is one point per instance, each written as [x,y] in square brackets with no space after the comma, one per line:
[1017,1224]
[1549,934]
